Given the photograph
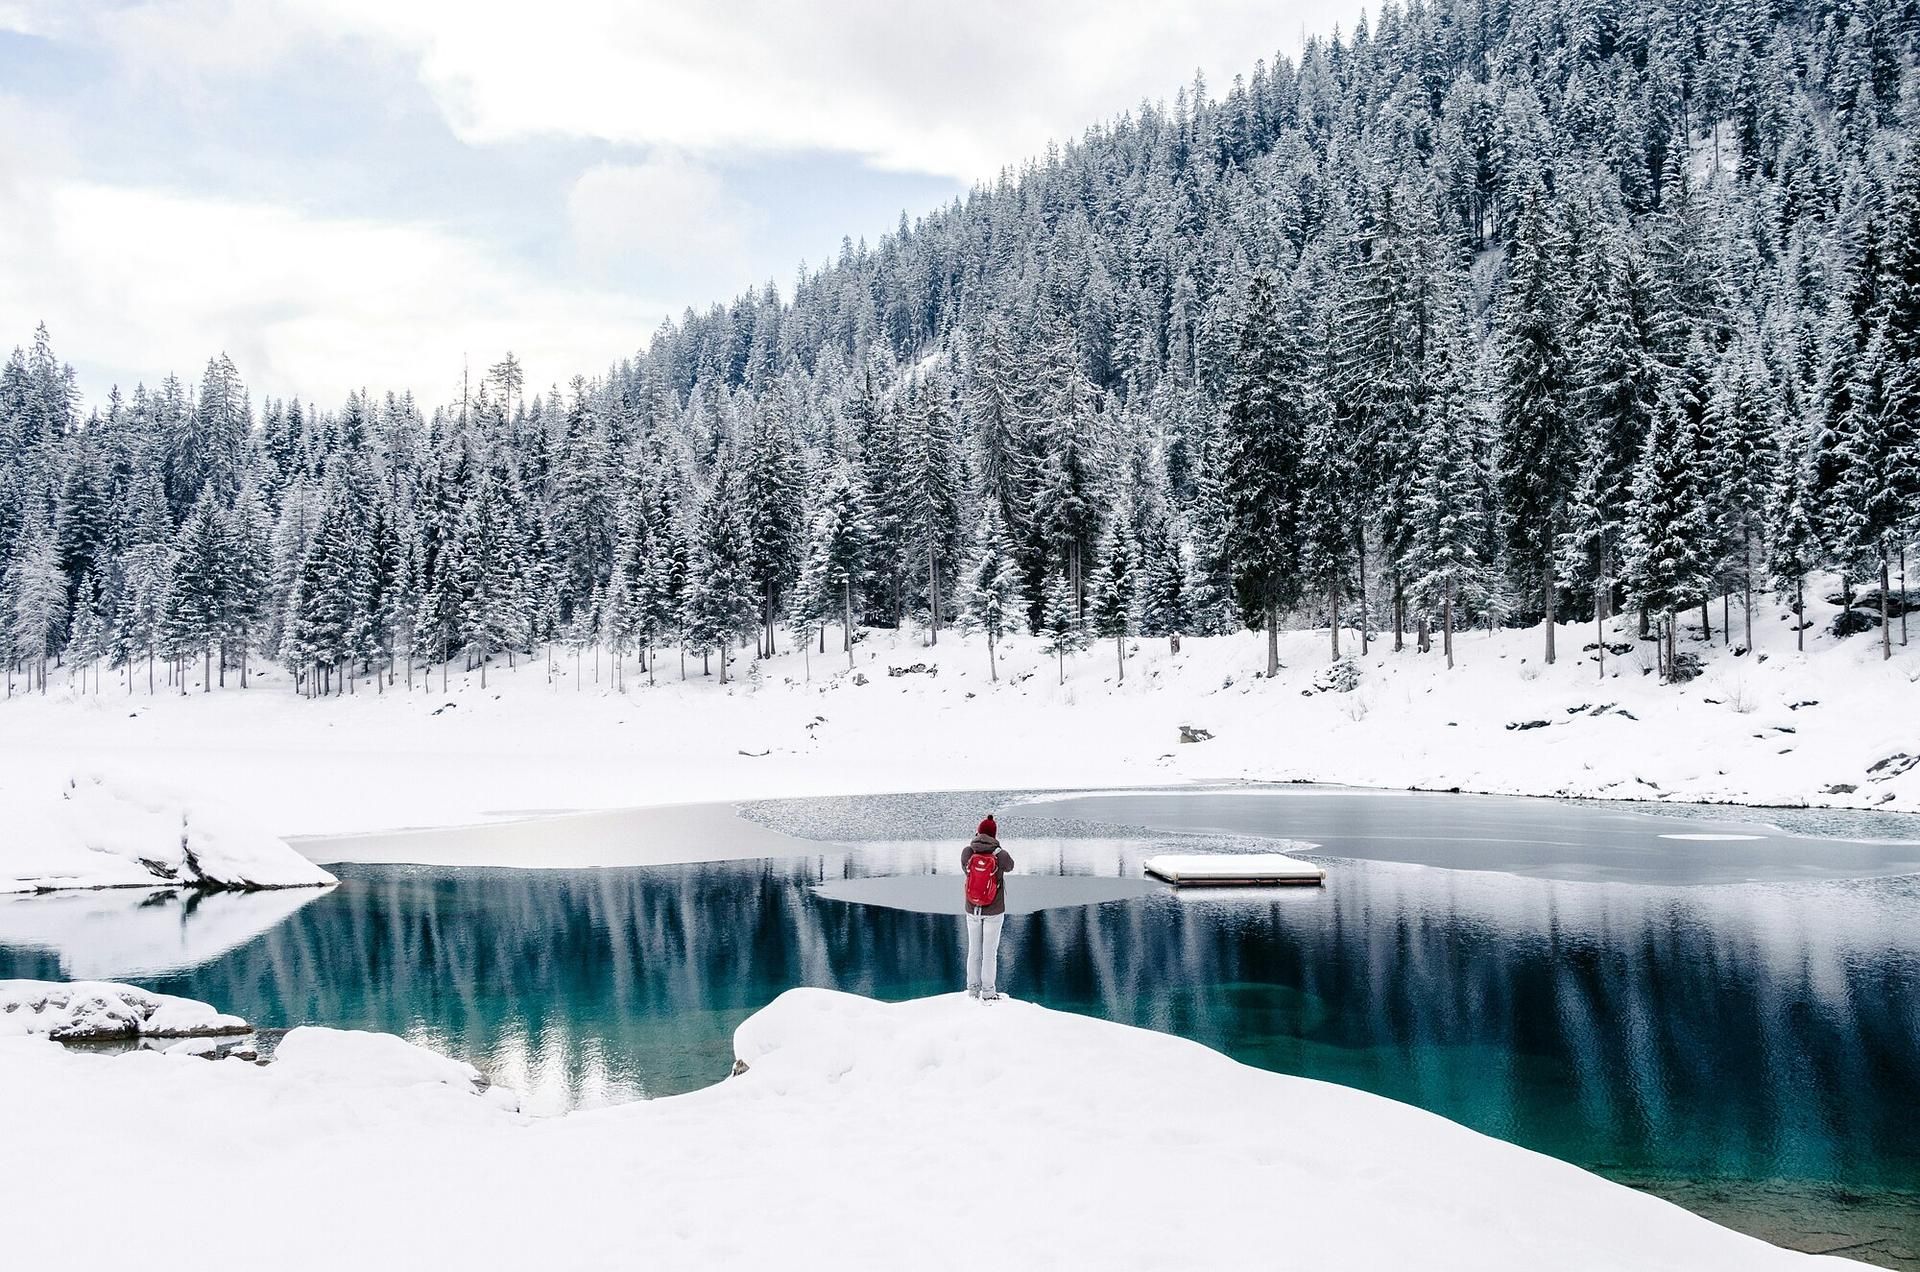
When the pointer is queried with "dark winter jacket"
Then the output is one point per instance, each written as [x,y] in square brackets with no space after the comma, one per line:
[1004,860]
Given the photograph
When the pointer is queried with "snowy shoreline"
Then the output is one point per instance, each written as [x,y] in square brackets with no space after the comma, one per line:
[1083,1111]
[1834,726]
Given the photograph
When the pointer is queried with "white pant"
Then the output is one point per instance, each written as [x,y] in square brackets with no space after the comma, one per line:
[983,950]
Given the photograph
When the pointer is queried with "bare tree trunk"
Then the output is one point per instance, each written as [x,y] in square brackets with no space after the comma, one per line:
[1333,618]
[206,669]
[1600,627]
[1120,649]
[993,671]
[1550,598]
[1361,579]
[1799,613]
[1903,594]
[847,618]
[1886,614]
[933,596]
[1746,582]
[1273,640]
[1706,620]
[1446,623]
[1399,614]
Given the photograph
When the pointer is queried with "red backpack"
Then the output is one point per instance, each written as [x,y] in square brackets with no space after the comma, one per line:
[983,879]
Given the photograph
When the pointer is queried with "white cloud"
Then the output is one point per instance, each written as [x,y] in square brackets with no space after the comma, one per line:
[668,217]
[923,85]
[142,282]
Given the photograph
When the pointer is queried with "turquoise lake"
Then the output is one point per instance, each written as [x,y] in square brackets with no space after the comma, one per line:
[1724,1013]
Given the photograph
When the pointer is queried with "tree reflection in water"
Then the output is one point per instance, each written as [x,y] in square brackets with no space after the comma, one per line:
[1749,1032]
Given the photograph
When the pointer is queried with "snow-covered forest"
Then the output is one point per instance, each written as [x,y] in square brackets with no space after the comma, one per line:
[1482,314]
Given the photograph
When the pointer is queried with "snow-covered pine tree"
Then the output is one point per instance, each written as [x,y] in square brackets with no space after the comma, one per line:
[1793,534]
[1062,631]
[1327,495]
[1066,497]
[1163,571]
[993,582]
[720,600]
[88,635]
[146,577]
[248,533]
[491,616]
[1740,429]
[771,509]
[1537,453]
[1443,562]
[838,543]
[1267,415]
[199,596]
[1669,519]
[1115,584]
[933,511]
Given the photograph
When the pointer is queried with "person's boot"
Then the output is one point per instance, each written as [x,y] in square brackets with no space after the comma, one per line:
[973,991]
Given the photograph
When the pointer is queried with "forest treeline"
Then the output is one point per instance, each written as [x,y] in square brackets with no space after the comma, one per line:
[1484,313]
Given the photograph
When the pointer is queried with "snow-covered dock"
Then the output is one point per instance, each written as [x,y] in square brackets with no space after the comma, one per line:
[1242,869]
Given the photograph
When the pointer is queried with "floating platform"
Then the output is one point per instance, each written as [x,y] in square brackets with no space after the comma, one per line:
[1235,870]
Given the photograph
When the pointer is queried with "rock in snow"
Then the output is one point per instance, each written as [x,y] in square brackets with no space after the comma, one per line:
[858,1135]
[90,833]
[100,1011]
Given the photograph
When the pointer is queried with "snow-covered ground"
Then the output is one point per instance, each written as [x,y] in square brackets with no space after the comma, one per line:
[89,1011]
[1771,727]
[934,1133]
[124,832]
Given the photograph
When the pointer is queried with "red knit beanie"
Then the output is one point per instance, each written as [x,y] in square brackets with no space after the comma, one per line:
[989,827]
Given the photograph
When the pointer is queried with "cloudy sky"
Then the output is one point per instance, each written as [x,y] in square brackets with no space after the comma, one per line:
[356,192]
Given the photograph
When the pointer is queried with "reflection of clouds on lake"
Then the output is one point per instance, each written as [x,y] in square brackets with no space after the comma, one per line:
[115,933]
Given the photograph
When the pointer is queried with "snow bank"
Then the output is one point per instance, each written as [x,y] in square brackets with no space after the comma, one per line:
[857,1137]
[94,1011]
[91,833]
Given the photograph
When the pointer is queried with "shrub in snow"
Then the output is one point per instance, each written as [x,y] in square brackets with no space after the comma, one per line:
[1342,676]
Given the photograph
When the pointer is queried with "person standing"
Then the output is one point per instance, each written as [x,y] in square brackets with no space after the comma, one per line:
[985,864]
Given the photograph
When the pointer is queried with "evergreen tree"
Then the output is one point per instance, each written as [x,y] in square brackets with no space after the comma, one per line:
[36,595]
[992,582]
[1669,520]
[1062,629]
[837,550]
[721,600]
[1536,452]
[1115,585]
[199,595]
[1267,416]
[88,637]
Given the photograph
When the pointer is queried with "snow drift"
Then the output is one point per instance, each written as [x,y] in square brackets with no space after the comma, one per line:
[91,833]
[854,1138]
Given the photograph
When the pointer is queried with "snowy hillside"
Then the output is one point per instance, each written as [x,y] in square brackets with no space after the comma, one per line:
[838,1146]
[1833,725]
[90,832]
